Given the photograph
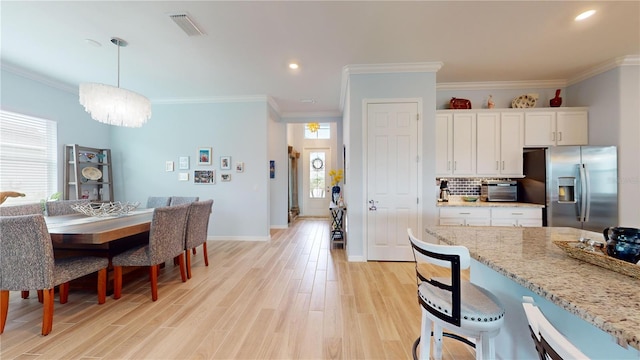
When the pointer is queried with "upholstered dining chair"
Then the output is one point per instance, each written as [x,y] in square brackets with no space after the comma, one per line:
[25,209]
[549,342]
[158,201]
[62,207]
[28,263]
[179,200]
[453,303]
[166,241]
[196,232]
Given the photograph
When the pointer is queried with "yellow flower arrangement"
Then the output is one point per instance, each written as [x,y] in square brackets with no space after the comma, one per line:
[336,176]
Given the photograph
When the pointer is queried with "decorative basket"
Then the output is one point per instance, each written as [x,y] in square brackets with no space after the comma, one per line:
[105,209]
[599,258]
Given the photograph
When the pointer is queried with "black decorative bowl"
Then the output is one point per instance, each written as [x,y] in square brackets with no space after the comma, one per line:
[623,243]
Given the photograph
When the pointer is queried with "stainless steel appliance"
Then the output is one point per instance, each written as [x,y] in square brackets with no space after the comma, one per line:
[577,184]
[498,190]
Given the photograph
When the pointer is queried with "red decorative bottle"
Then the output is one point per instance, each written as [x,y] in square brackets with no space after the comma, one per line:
[556,101]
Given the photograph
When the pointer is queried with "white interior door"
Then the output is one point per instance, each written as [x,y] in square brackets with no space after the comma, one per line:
[392,180]
[316,164]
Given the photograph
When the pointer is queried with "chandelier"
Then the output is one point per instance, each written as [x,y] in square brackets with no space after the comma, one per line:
[313,127]
[115,105]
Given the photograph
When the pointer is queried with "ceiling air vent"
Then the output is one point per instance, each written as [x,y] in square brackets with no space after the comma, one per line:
[186,24]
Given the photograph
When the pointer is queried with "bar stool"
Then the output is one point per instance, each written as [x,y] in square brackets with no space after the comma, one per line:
[549,342]
[453,303]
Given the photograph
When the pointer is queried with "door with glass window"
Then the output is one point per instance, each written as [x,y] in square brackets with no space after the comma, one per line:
[316,185]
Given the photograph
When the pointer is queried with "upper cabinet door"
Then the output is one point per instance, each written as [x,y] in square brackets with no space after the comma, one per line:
[444,144]
[464,144]
[572,128]
[511,144]
[540,128]
[488,144]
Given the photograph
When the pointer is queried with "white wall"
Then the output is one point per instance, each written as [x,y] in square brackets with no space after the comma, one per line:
[614,119]
[279,186]
[35,98]
[389,86]
[241,207]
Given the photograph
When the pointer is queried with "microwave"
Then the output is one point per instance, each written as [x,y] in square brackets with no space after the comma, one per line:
[498,190]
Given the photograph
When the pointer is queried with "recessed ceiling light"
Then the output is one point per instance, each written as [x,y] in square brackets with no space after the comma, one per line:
[308,101]
[585,15]
[293,66]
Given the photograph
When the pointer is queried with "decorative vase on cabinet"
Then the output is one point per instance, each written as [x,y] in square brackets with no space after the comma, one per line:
[556,101]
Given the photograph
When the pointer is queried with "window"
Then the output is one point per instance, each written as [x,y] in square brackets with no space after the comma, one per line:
[317,175]
[28,157]
[323,132]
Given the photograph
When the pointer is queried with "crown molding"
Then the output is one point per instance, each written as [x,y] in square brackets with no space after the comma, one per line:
[502,85]
[214,100]
[628,60]
[45,80]
[391,68]
[320,115]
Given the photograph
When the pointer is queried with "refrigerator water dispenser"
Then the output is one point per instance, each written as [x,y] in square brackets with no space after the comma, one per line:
[567,189]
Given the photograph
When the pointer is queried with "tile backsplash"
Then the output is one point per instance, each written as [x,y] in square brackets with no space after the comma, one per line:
[464,186]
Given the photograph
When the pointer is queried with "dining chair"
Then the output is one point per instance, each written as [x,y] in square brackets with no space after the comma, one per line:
[27,257]
[549,342]
[62,207]
[196,231]
[166,241]
[158,201]
[179,200]
[453,303]
[25,209]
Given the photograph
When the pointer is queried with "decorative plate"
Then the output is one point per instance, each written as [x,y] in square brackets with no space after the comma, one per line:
[91,173]
[524,101]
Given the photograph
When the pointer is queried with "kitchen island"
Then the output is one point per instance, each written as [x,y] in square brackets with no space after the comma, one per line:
[597,309]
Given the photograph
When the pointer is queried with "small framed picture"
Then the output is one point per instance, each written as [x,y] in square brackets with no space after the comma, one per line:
[204,176]
[225,162]
[272,169]
[204,156]
[168,166]
[183,177]
[225,177]
[183,164]
[239,167]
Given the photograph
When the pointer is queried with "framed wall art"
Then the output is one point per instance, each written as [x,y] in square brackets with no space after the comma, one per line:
[183,164]
[225,177]
[168,166]
[204,156]
[239,166]
[204,176]
[225,162]
[272,169]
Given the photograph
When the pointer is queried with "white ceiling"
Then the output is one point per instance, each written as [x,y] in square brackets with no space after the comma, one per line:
[248,45]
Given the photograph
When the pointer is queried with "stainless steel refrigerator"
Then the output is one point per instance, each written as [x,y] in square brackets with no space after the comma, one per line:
[577,184]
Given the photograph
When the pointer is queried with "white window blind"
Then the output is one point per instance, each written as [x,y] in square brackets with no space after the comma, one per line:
[28,157]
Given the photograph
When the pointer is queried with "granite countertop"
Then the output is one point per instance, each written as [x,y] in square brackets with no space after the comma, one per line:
[528,256]
[456,200]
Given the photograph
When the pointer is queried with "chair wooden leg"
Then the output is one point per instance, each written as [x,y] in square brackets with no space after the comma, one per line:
[25,294]
[47,314]
[40,296]
[4,308]
[153,274]
[102,286]
[187,255]
[117,282]
[63,289]
[183,273]
[204,251]
[425,336]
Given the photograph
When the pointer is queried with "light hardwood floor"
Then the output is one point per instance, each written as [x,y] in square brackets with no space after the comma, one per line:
[289,298]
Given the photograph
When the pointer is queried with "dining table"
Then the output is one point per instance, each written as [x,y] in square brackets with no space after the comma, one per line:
[105,236]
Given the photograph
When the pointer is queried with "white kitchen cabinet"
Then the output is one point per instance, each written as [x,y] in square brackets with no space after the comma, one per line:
[465,216]
[516,216]
[556,127]
[456,144]
[500,138]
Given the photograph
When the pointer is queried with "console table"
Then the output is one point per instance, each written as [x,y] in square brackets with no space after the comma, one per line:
[338,234]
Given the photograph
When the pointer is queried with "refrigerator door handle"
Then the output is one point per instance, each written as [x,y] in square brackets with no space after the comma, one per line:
[587,193]
[583,193]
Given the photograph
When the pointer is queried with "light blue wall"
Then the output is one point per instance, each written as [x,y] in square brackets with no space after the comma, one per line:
[386,86]
[501,97]
[279,186]
[241,206]
[34,98]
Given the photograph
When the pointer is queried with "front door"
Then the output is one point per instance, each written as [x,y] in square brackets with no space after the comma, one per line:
[317,193]
[392,180]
